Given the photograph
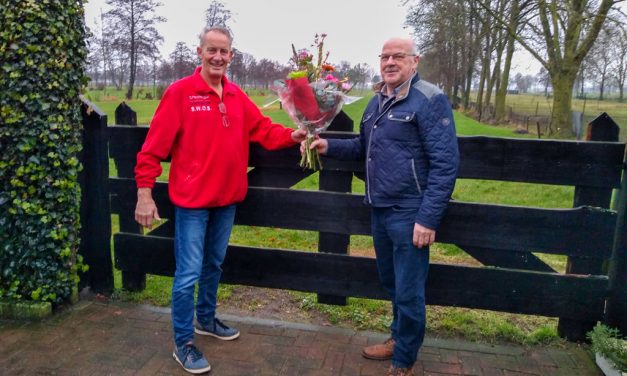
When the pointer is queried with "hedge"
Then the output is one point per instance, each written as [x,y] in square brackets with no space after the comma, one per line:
[42,54]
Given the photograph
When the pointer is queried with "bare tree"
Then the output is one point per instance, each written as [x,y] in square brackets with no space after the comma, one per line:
[544,79]
[441,28]
[132,24]
[619,61]
[601,56]
[217,14]
[100,59]
[183,60]
[517,12]
[241,67]
[567,31]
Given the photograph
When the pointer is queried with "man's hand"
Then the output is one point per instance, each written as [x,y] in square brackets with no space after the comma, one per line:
[146,209]
[423,236]
[299,135]
[320,144]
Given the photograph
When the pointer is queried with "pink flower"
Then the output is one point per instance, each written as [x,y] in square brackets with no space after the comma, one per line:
[330,77]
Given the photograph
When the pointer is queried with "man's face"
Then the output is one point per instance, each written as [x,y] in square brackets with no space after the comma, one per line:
[215,54]
[397,62]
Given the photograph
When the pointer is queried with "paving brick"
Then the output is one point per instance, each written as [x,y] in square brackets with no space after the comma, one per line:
[470,365]
[334,362]
[491,371]
[359,340]
[278,340]
[449,356]
[235,368]
[508,362]
[333,337]
[440,367]
[265,330]
[375,368]
[428,357]
[154,364]
[562,358]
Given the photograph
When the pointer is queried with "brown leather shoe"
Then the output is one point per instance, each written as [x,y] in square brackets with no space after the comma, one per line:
[380,351]
[395,371]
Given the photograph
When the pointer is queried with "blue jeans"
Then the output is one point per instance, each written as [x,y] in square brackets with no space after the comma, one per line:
[403,272]
[201,237]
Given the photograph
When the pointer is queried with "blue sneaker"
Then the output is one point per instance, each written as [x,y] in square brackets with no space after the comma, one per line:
[218,330]
[191,359]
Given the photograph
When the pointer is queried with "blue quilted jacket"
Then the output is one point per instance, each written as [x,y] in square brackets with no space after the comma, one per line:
[410,149]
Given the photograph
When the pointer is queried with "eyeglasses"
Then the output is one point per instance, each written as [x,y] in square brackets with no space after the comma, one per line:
[225,119]
[396,57]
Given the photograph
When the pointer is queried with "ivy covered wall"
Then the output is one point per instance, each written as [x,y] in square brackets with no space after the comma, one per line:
[42,55]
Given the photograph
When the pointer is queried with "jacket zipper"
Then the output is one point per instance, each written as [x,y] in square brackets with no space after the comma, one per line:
[413,170]
[370,143]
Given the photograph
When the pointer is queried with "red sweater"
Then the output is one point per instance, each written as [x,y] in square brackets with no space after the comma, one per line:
[209,160]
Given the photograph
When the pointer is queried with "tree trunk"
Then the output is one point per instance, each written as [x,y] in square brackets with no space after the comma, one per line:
[493,78]
[501,94]
[470,63]
[562,104]
[133,53]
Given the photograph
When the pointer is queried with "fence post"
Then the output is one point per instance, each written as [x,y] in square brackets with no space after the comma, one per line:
[125,115]
[335,181]
[95,211]
[616,308]
[602,128]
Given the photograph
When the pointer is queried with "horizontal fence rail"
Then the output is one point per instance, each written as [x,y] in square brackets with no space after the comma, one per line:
[580,231]
[575,163]
[545,294]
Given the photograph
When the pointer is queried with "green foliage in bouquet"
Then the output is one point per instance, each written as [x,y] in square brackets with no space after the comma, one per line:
[42,54]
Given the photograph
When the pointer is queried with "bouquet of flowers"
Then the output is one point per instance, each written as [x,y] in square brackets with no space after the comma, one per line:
[312,96]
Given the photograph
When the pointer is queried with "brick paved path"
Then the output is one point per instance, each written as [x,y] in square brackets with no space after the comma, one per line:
[124,339]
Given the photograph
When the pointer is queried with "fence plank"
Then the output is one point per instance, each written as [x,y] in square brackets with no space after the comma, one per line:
[583,231]
[601,129]
[616,314]
[95,234]
[548,294]
[125,165]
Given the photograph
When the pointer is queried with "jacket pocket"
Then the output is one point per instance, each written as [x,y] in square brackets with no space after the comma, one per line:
[401,116]
[366,117]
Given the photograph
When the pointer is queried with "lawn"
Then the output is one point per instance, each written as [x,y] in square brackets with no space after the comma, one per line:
[371,314]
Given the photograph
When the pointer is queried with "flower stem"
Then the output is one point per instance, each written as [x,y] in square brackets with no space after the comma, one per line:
[310,158]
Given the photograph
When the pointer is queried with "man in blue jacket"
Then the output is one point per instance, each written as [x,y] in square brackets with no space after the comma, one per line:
[407,138]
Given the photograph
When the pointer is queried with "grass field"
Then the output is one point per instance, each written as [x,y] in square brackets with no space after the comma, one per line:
[371,314]
[536,104]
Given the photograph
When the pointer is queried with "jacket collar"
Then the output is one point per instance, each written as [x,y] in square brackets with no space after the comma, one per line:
[402,90]
[200,86]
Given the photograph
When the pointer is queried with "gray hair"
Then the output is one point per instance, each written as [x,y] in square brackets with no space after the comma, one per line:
[218,29]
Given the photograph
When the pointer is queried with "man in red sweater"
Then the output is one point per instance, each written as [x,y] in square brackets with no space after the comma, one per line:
[205,123]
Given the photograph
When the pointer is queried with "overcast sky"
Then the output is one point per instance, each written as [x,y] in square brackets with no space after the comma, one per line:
[266,28]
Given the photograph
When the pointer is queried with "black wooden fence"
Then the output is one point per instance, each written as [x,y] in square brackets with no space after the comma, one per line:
[501,237]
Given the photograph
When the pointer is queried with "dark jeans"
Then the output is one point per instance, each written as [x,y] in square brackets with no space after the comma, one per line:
[403,272]
[201,237]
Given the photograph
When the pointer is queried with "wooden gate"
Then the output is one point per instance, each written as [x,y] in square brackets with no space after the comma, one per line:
[501,237]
